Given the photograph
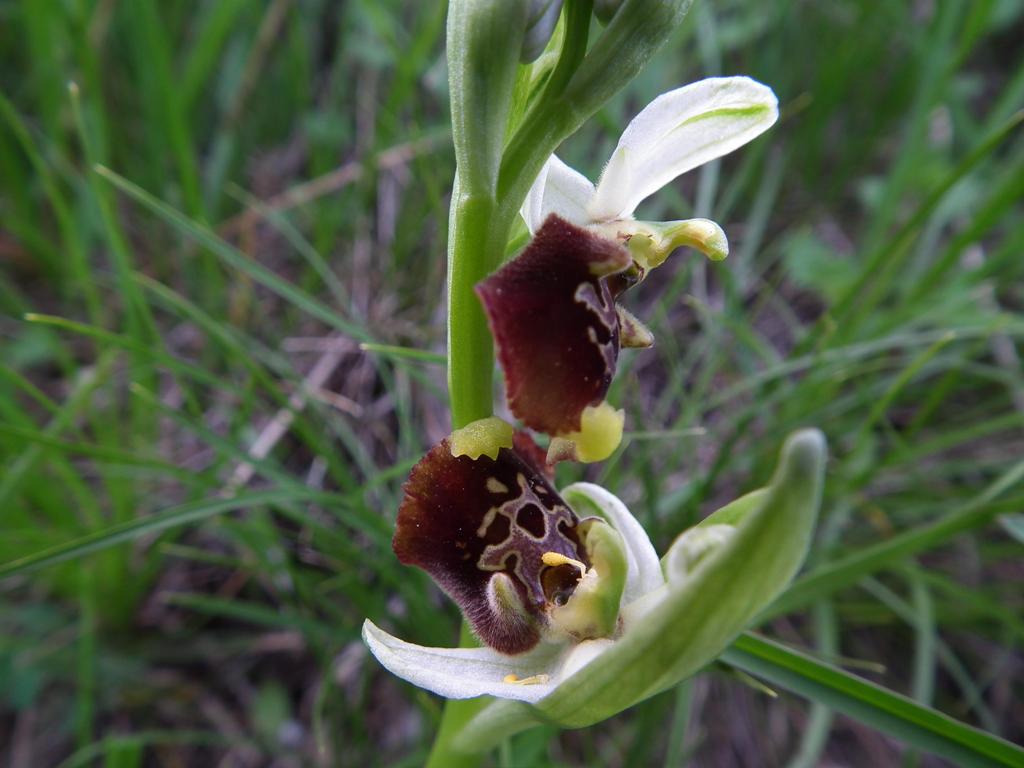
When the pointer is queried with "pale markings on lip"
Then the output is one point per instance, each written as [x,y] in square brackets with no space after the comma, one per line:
[588,296]
[494,485]
[495,556]
[486,522]
[545,494]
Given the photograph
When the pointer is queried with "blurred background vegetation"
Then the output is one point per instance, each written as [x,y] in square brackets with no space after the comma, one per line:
[222,237]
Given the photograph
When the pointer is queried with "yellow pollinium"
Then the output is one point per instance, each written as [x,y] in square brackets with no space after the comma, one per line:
[531,680]
[599,435]
[484,437]
[556,558]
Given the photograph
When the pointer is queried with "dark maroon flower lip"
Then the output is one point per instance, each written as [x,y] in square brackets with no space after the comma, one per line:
[555,324]
[480,527]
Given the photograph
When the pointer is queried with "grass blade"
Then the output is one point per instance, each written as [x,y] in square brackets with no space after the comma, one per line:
[890,712]
[846,571]
[183,514]
[232,256]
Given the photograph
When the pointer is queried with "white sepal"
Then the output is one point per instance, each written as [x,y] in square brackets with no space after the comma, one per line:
[643,572]
[464,673]
[676,132]
[557,189]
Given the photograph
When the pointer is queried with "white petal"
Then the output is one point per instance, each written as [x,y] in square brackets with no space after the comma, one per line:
[532,209]
[558,189]
[644,570]
[678,131]
[463,673]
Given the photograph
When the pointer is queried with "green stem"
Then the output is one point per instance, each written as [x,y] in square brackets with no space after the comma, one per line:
[470,351]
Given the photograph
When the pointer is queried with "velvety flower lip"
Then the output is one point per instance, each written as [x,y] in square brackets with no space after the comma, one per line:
[675,615]
[481,528]
[556,325]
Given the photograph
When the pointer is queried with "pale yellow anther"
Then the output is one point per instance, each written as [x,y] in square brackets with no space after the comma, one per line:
[484,437]
[555,558]
[531,680]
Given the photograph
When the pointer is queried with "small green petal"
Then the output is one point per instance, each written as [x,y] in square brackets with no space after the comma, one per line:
[633,334]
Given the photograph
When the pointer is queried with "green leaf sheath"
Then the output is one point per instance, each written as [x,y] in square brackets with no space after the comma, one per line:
[485,38]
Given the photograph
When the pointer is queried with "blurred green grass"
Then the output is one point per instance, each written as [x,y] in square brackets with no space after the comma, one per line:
[202,463]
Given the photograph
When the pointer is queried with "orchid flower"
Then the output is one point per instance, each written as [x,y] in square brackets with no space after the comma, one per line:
[553,310]
[580,617]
